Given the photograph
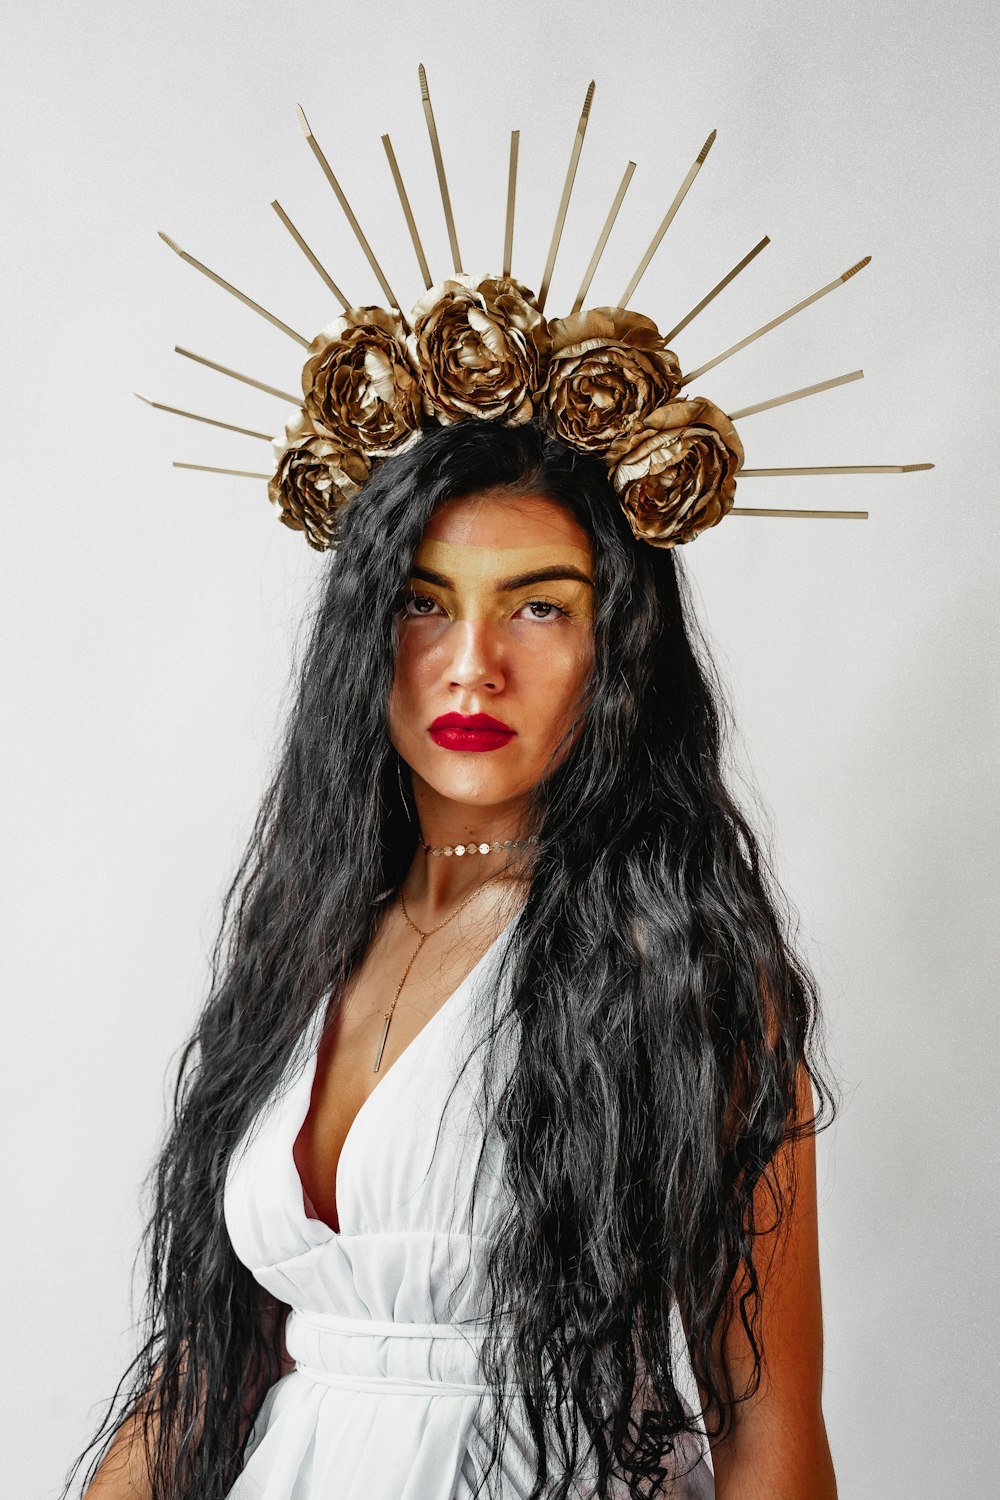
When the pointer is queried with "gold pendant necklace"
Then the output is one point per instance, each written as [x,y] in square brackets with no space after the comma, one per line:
[423,936]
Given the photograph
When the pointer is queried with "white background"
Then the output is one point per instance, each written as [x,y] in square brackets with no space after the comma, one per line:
[149,613]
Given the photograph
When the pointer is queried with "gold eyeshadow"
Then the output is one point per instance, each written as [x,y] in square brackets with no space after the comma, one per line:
[570,596]
[479,572]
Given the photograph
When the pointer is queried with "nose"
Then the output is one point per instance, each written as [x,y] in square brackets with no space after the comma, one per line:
[476,659]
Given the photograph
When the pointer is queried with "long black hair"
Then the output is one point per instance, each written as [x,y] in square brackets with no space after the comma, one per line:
[666,1019]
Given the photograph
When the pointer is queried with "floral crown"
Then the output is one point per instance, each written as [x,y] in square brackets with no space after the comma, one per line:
[603,381]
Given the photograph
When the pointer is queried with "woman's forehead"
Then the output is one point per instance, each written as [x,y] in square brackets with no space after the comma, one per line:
[479,563]
[501,521]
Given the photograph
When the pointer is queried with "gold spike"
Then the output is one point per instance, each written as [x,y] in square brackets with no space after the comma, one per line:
[411,223]
[272,390]
[837,469]
[574,158]
[829,515]
[782,318]
[719,287]
[605,232]
[212,421]
[439,165]
[667,220]
[248,301]
[317,151]
[211,469]
[806,390]
[508,236]
[310,257]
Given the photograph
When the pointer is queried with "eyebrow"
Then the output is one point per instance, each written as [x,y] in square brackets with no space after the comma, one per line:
[508,585]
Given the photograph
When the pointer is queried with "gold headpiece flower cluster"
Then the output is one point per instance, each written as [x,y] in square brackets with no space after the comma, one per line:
[603,381]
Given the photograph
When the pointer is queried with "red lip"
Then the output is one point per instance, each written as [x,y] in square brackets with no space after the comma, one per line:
[470,721]
[470,732]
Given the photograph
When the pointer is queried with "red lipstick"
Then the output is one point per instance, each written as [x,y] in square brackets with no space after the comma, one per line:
[470,732]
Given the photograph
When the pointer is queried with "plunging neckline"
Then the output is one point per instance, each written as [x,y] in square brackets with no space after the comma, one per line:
[309,1074]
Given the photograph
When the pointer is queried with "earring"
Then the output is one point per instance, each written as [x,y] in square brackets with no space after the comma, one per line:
[402,795]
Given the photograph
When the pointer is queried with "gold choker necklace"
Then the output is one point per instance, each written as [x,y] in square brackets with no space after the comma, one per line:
[496,847]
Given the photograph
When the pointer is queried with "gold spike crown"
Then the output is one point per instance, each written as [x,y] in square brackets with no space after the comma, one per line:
[602,380]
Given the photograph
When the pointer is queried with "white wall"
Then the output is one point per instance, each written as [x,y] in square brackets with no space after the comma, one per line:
[149,613]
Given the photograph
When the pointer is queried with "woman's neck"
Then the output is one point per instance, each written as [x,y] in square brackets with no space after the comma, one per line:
[436,884]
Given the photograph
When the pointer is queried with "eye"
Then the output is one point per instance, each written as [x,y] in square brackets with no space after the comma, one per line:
[415,606]
[550,605]
[416,600]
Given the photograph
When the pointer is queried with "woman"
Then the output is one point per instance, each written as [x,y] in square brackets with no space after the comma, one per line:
[646,1153]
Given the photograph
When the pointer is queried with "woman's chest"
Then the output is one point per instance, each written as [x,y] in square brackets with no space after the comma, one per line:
[394,997]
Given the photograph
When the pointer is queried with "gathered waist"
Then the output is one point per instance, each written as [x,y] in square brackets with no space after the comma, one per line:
[386,1356]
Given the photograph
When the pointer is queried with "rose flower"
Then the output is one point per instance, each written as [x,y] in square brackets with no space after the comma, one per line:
[678,475]
[359,383]
[608,370]
[313,480]
[480,347]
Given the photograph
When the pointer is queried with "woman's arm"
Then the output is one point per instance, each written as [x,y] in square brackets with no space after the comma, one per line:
[124,1473]
[778,1448]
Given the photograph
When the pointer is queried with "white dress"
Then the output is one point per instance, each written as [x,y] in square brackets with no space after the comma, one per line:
[386,1400]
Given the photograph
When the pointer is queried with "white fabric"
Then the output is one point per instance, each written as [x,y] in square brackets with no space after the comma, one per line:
[386,1400]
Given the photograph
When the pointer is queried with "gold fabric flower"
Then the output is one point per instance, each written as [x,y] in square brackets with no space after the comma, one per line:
[608,371]
[313,480]
[360,385]
[678,476]
[480,347]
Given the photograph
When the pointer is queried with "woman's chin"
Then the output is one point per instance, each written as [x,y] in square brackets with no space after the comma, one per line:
[475,786]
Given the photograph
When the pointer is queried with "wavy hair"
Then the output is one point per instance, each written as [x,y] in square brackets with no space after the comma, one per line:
[666,1019]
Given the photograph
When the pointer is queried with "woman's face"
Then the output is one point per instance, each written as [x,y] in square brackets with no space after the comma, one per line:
[497,621]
